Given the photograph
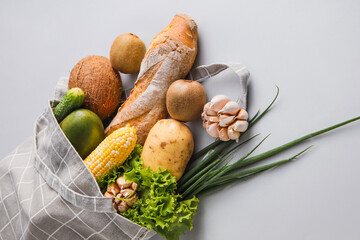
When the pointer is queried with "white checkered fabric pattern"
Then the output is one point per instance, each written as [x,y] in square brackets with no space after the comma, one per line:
[46,191]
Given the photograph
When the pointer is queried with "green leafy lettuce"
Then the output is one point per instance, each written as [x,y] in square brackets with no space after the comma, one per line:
[159,207]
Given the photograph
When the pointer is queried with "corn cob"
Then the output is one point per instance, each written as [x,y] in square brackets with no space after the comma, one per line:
[112,151]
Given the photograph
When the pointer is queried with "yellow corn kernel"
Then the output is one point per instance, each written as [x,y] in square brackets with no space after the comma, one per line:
[112,151]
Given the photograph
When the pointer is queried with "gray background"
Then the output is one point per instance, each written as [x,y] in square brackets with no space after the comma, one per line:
[310,49]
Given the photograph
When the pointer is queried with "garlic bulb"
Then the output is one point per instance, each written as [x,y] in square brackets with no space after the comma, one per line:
[122,190]
[224,119]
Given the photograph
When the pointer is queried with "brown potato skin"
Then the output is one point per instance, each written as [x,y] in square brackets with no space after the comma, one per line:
[169,145]
[101,84]
[127,52]
[185,100]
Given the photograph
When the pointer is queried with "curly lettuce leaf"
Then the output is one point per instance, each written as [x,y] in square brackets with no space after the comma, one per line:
[159,207]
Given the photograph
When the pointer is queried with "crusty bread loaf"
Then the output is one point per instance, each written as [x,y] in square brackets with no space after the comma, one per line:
[169,57]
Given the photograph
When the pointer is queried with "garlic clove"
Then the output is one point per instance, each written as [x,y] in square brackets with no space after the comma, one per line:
[233,135]
[223,134]
[214,119]
[127,192]
[206,124]
[206,106]
[231,108]
[134,186]
[226,120]
[218,102]
[242,115]
[117,200]
[115,206]
[240,126]
[130,202]
[211,113]
[113,188]
[122,207]
[121,182]
[211,118]
[208,111]
[213,130]
[203,116]
[108,194]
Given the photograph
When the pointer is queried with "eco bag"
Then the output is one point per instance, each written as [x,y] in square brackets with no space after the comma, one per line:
[47,192]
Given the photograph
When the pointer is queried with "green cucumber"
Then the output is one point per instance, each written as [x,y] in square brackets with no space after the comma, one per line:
[72,100]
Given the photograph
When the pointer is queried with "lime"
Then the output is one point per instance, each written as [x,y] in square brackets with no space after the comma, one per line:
[84,129]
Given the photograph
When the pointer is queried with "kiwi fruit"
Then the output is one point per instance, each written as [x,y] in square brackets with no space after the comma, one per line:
[127,52]
[185,100]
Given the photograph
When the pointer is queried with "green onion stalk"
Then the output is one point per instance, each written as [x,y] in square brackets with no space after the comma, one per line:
[215,172]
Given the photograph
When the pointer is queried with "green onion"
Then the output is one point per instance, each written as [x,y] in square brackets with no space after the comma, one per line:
[285,146]
[193,171]
[254,120]
[208,175]
[204,150]
[198,175]
[254,170]
[200,181]
[217,173]
[243,177]
[182,187]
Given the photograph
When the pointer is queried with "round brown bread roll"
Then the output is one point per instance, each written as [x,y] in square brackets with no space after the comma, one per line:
[100,82]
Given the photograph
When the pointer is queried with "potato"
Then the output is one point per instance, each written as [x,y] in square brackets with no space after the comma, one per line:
[169,145]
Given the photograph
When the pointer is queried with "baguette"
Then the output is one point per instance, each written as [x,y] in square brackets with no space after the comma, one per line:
[169,57]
